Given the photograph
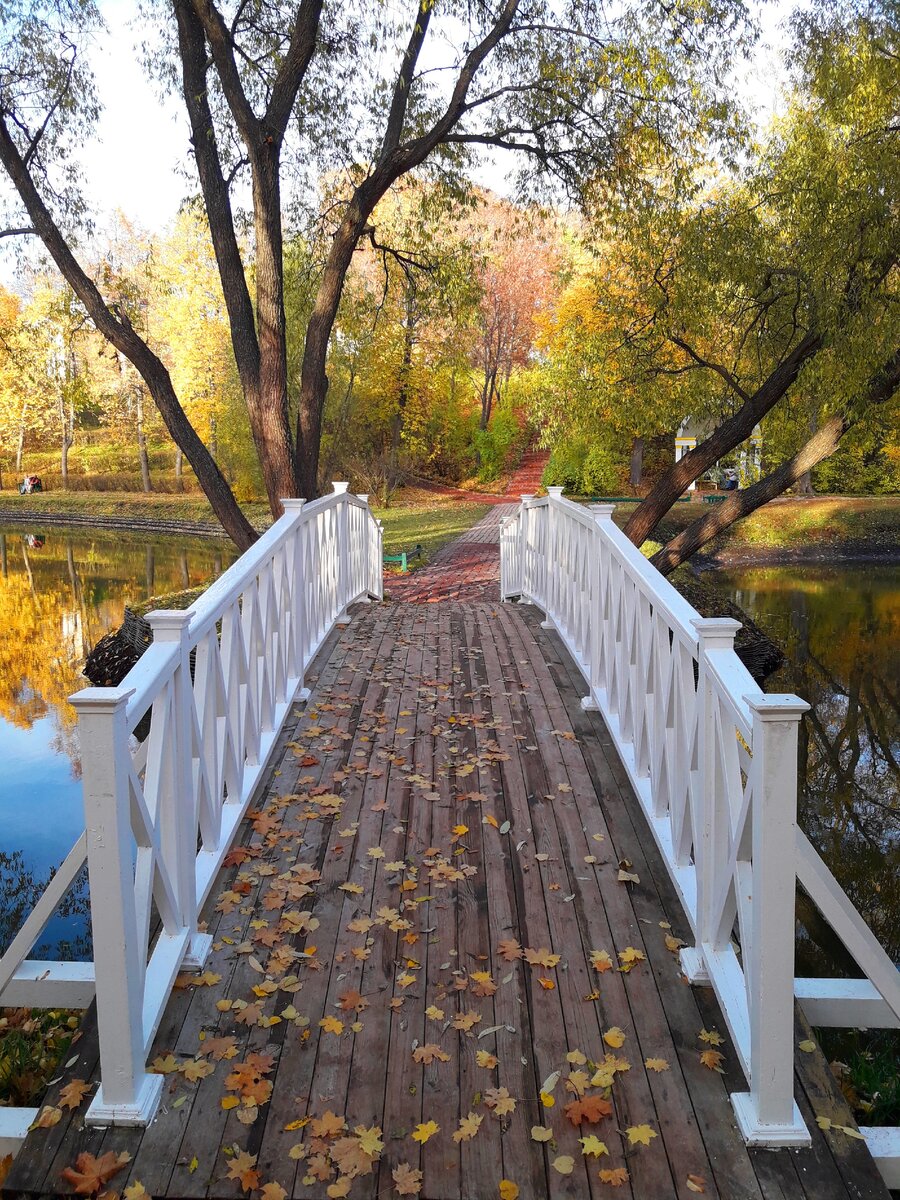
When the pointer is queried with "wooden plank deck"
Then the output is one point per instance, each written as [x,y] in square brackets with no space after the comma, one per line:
[441,813]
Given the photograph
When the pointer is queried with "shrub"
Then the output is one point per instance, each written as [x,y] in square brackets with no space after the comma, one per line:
[601,471]
[497,445]
[565,465]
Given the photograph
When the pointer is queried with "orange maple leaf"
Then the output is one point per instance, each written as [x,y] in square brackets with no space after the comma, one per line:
[90,1174]
[509,950]
[73,1093]
[541,957]
[429,1052]
[615,1177]
[588,1108]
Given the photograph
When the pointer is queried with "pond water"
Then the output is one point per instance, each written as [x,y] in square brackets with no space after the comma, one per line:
[840,629]
[60,592]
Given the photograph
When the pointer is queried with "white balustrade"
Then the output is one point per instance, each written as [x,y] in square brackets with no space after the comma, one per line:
[713,761]
[160,818]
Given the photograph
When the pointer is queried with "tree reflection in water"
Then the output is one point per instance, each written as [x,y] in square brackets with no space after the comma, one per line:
[840,629]
[59,594]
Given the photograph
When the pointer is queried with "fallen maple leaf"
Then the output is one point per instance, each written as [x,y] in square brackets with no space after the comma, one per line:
[639,1135]
[332,1025]
[711,1037]
[601,961]
[352,1001]
[483,1058]
[429,1052]
[629,958]
[614,1177]
[424,1131]
[242,1168]
[196,1068]
[540,957]
[468,1127]
[499,1101]
[588,1108]
[73,1093]
[136,1191]
[90,1174]
[509,949]
[165,1064]
[508,1190]
[328,1125]
[273,1191]
[407,1180]
[614,1037]
[713,1059]
[656,1064]
[591,1145]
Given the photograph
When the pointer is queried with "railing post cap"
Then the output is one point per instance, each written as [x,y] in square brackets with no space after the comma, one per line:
[603,512]
[712,628]
[555,491]
[292,503]
[168,620]
[100,699]
[777,706]
[364,496]
[523,496]
[340,487]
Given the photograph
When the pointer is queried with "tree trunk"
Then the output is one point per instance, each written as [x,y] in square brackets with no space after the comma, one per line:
[142,444]
[64,462]
[636,467]
[120,334]
[4,562]
[729,434]
[403,391]
[179,469]
[20,445]
[820,446]
[214,437]
[313,377]
[804,483]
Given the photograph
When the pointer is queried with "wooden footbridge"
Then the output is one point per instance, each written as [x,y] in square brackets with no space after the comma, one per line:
[452,900]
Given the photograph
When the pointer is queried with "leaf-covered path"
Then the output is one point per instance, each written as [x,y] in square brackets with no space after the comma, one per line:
[445,964]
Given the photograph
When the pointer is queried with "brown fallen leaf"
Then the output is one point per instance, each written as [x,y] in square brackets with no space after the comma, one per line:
[47,1118]
[696,1183]
[90,1174]
[541,957]
[73,1093]
[588,1108]
[430,1052]
[614,1177]
[242,1169]
[468,1127]
[407,1180]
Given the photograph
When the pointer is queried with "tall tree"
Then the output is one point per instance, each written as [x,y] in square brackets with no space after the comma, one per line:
[377,94]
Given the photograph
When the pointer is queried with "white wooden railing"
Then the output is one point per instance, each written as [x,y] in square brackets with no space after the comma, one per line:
[713,761]
[161,816]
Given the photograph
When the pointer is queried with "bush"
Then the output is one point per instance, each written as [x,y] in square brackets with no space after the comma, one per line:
[565,465]
[601,472]
[496,446]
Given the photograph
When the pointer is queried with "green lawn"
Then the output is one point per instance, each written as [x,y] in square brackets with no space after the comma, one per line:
[430,523]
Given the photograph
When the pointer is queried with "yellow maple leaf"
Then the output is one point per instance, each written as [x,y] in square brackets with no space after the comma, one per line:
[423,1132]
[332,1025]
[484,1058]
[136,1191]
[614,1037]
[656,1064]
[434,1013]
[639,1135]
[468,1127]
[629,958]
[593,1146]
[713,1059]
[711,1037]
[230,1102]
[601,961]
[508,1190]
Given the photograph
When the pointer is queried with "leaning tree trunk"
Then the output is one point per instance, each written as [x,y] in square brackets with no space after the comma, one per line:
[142,444]
[729,434]
[179,469]
[636,465]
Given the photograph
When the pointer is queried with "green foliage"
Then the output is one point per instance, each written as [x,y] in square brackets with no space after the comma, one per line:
[866,1063]
[565,465]
[601,471]
[497,446]
[33,1042]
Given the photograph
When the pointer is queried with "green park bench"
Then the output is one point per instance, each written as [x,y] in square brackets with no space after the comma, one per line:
[714,499]
[403,557]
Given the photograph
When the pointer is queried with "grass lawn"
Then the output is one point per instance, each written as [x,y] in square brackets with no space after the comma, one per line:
[820,521]
[426,519]
[419,516]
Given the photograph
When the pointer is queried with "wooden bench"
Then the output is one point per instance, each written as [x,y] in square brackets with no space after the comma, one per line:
[403,557]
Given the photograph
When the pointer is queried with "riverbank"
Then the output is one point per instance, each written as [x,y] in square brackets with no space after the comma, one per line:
[818,529]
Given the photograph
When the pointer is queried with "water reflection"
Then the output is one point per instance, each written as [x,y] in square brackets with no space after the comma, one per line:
[59,594]
[840,628]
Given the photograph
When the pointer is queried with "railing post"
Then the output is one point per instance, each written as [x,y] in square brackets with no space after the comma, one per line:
[178,818]
[550,559]
[707,821]
[294,506]
[378,566]
[343,549]
[767,1114]
[603,515]
[127,1094]
[524,518]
